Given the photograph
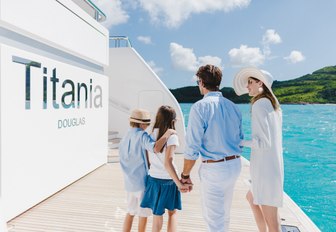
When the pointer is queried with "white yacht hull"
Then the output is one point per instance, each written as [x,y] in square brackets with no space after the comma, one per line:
[53,99]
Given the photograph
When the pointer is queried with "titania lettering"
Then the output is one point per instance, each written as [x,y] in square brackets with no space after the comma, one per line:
[71,92]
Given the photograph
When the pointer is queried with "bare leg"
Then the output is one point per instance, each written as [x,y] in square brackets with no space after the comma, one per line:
[272,218]
[172,221]
[157,223]
[128,223]
[257,212]
[142,224]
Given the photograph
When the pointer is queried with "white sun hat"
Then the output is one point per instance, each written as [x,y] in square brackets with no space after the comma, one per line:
[241,79]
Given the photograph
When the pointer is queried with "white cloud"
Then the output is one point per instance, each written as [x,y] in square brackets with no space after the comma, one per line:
[185,59]
[246,56]
[210,60]
[295,57]
[156,69]
[114,13]
[271,37]
[145,39]
[129,4]
[173,13]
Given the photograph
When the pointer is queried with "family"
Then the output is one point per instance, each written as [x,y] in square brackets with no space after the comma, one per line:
[215,135]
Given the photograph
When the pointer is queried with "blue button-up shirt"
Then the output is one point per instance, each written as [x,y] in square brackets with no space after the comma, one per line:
[214,128]
[133,161]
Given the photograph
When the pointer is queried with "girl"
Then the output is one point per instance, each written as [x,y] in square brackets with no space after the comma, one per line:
[266,162]
[163,185]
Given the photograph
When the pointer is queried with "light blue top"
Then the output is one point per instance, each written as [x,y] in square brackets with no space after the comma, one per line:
[133,161]
[214,129]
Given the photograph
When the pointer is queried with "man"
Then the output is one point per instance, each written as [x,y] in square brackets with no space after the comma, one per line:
[214,133]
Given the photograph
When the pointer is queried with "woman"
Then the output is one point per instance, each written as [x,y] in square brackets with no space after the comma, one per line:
[266,161]
[163,185]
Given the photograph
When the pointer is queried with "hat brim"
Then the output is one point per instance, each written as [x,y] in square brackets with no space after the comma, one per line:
[141,121]
[241,79]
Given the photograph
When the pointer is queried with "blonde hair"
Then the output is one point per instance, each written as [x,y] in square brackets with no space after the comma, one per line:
[134,124]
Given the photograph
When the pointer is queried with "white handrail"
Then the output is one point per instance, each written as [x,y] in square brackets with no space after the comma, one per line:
[90,8]
[118,41]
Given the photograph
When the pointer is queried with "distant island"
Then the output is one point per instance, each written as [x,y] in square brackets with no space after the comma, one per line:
[316,88]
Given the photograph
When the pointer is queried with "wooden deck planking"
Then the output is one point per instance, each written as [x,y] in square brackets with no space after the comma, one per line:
[96,203]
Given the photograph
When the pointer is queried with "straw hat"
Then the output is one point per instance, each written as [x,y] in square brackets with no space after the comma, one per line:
[140,116]
[241,79]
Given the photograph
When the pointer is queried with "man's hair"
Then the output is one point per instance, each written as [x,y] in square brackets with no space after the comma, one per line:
[211,76]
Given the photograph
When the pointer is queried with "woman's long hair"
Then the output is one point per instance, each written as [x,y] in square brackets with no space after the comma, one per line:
[165,119]
[265,94]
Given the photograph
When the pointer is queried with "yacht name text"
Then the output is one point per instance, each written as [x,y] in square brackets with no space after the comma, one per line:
[70,122]
[71,92]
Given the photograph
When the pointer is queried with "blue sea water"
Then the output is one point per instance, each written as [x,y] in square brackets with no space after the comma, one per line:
[309,143]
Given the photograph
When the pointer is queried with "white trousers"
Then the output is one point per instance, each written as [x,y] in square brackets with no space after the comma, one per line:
[133,204]
[217,185]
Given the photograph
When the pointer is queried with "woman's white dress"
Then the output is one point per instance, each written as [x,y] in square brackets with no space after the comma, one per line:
[266,161]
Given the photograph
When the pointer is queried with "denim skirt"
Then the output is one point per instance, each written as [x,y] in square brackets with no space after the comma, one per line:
[161,194]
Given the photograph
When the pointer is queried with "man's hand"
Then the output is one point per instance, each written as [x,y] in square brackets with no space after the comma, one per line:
[184,187]
[187,182]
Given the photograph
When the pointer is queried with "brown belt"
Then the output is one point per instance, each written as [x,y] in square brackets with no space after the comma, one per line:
[221,160]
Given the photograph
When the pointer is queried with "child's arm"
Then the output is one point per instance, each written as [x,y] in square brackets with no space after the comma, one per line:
[171,170]
[163,140]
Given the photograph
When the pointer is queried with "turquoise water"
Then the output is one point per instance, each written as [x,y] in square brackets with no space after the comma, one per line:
[309,142]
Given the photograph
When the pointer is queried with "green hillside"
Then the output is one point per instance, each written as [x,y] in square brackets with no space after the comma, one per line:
[318,87]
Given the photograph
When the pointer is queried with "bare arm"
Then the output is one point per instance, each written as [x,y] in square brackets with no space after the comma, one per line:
[188,165]
[168,164]
[185,175]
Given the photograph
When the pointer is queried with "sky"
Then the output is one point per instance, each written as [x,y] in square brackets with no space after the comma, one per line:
[288,38]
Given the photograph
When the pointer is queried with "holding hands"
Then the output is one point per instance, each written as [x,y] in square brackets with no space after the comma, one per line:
[186,183]
[184,187]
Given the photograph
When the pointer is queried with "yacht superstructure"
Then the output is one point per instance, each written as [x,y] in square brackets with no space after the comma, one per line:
[54,99]
[63,90]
